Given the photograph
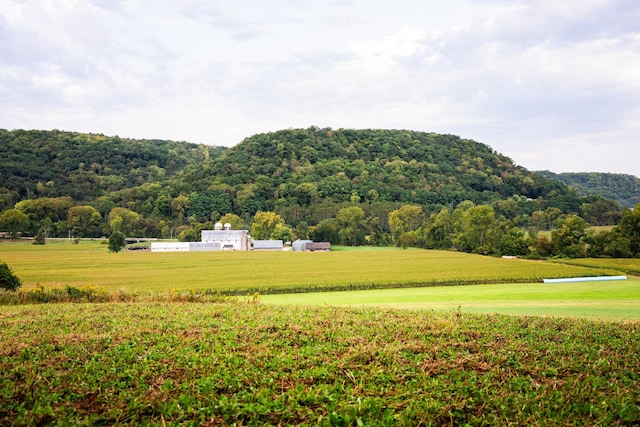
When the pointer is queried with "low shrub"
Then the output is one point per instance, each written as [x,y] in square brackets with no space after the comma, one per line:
[8,280]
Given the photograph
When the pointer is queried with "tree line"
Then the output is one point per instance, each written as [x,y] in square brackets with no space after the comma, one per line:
[344,186]
[498,229]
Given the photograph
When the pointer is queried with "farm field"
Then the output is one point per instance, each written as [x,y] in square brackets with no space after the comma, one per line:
[89,263]
[435,355]
[614,300]
[628,265]
[256,364]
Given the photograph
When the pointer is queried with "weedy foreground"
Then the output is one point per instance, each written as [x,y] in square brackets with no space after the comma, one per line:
[246,363]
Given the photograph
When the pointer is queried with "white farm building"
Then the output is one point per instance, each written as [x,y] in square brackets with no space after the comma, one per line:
[232,240]
[221,238]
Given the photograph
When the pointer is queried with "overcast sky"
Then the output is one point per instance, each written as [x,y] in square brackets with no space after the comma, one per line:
[552,84]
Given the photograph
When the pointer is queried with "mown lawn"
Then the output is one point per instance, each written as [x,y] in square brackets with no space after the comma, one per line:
[255,364]
[611,300]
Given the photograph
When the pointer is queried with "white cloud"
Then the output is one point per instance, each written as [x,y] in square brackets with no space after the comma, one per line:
[536,81]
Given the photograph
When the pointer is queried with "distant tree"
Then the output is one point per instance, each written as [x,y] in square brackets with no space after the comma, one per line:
[123,220]
[514,242]
[8,280]
[568,236]
[236,222]
[179,205]
[629,227]
[39,238]
[552,214]
[405,219]
[14,221]
[283,232]
[84,221]
[45,209]
[207,203]
[306,193]
[372,196]
[439,231]
[264,223]
[538,221]
[351,225]
[302,230]
[543,246]
[600,211]
[480,231]
[116,241]
[326,231]
[406,240]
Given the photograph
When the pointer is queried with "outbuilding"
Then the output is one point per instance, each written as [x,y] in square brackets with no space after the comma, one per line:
[318,247]
[228,239]
[268,245]
[300,245]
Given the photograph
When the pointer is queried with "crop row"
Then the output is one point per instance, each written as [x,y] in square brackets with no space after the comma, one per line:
[238,363]
[271,271]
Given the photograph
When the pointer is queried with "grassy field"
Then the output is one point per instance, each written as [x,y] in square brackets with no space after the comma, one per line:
[254,364]
[616,300]
[89,263]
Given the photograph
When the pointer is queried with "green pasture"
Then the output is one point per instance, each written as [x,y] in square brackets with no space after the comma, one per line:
[90,263]
[612,300]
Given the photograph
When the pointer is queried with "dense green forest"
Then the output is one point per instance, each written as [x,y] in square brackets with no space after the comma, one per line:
[86,166]
[624,189]
[370,186]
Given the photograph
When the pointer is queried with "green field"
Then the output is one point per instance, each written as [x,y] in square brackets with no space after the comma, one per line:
[615,300]
[256,364]
[89,263]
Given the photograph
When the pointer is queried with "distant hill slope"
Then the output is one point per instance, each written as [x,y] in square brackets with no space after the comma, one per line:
[86,166]
[292,171]
[625,189]
[303,166]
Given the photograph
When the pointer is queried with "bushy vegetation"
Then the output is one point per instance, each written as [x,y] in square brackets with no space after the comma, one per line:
[8,280]
[40,294]
[249,364]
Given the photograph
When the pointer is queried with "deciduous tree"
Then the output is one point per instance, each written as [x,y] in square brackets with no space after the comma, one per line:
[405,219]
[351,225]
[264,223]
[84,221]
[14,221]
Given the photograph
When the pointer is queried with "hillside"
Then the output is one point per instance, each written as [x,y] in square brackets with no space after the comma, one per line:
[306,166]
[304,175]
[625,189]
[55,163]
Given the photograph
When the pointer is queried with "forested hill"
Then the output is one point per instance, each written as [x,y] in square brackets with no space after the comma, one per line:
[55,163]
[304,175]
[625,189]
[305,166]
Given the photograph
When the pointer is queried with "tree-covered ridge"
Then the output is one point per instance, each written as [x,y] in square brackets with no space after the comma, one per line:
[623,188]
[301,166]
[374,187]
[37,163]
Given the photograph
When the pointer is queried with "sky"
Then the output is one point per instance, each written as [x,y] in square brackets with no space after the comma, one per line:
[552,84]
